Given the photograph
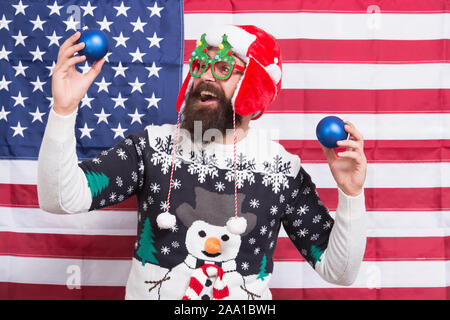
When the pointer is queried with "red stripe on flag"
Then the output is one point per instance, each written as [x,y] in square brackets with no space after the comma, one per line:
[355,6]
[356,51]
[383,249]
[378,151]
[361,101]
[70,246]
[28,291]
[377,199]
[410,293]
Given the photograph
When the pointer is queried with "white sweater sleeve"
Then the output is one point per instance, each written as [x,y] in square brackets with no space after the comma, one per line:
[62,185]
[340,262]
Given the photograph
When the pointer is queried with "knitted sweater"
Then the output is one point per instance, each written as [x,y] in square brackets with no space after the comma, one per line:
[273,188]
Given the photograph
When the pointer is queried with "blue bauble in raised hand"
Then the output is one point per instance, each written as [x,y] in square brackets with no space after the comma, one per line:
[330,130]
[96,44]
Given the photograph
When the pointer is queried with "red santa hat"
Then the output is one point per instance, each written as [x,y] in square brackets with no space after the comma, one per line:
[261,82]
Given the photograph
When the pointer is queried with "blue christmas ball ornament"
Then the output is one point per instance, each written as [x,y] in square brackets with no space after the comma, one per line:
[330,130]
[96,44]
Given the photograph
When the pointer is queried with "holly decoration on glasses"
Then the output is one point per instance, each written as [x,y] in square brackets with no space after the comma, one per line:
[223,62]
[199,58]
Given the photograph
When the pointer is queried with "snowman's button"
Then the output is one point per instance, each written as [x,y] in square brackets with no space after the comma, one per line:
[206,297]
[208,283]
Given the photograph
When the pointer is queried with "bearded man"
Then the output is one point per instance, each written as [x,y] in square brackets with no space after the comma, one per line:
[209,210]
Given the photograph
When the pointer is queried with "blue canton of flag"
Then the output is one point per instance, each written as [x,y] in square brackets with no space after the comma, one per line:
[137,86]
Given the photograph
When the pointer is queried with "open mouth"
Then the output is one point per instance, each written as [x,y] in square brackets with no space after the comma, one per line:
[211,255]
[207,96]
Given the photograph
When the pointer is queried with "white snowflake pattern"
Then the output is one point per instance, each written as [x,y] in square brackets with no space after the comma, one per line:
[244,170]
[282,198]
[307,190]
[145,206]
[327,225]
[119,181]
[254,203]
[219,186]
[164,155]
[150,200]
[142,142]
[317,218]
[141,166]
[104,152]
[130,190]
[315,237]
[302,210]
[203,165]
[102,202]
[272,222]
[175,244]
[155,187]
[164,206]
[270,234]
[252,240]
[138,151]
[245,265]
[297,223]
[176,184]
[263,230]
[128,142]
[112,196]
[174,228]
[121,154]
[272,243]
[295,193]
[96,160]
[304,252]
[273,210]
[289,209]
[165,250]
[257,251]
[303,232]
[275,174]
[134,176]
[120,198]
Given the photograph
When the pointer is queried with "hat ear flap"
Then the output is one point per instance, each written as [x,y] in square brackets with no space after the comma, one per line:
[256,90]
[184,90]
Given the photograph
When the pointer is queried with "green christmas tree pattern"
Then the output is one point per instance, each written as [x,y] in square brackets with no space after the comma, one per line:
[146,249]
[316,254]
[262,270]
[97,182]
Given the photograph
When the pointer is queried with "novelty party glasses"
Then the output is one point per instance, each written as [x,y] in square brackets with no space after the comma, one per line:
[222,65]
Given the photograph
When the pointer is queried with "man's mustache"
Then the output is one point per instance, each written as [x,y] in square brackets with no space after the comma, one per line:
[204,86]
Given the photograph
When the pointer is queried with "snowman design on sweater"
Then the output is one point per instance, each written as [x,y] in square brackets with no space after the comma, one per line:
[198,258]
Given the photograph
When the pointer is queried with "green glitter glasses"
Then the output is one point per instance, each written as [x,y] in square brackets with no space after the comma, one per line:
[222,65]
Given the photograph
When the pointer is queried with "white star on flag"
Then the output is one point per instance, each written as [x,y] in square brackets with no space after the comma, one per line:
[86,101]
[20,8]
[20,69]
[119,131]
[4,114]
[138,25]
[54,9]
[38,23]
[19,100]
[18,130]
[121,40]
[85,131]
[4,54]
[102,116]
[54,39]
[153,101]
[136,116]
[104,24]
[153,70]
[136,85]
[154,41]
[119,101]
[38,84]
[155,10]
[4,23]
[37,54]
[103,85]
[120,70]
[137,55]
[20,39]
[122,10]
[72,24]
[4,84]
[88,10]
[37,115]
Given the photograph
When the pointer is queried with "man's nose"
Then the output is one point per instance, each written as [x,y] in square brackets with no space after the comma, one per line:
[207,75]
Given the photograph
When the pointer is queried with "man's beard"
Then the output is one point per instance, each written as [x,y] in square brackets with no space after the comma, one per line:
[218,117]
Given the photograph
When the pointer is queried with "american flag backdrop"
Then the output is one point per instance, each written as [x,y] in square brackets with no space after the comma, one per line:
[382,65]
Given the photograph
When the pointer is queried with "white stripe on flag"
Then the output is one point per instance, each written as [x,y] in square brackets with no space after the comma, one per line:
[339,26]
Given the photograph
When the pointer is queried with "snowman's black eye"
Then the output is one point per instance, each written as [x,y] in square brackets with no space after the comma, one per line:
[225,237]
[202,233]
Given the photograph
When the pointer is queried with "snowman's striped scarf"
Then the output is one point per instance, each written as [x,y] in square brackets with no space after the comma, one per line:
[199,278]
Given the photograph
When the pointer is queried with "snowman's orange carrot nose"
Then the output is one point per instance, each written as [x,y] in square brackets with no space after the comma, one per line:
[212,245]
